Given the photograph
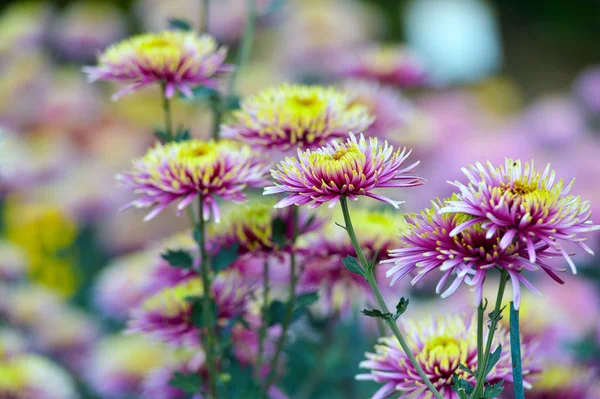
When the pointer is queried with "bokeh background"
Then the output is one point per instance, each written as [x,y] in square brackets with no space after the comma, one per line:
[504,79]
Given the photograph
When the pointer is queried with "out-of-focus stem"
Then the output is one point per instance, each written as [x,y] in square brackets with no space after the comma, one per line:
[375,288]
[167,113]
[245,46]
[291,302]
[482,363]
[265,319]
[204,15]
[515,353]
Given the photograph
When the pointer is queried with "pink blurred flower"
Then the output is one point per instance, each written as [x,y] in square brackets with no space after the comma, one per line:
[177,60]
[352,168]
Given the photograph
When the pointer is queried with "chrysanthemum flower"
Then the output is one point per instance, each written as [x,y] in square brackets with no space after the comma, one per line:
[33,376]
[391,65]
[524,205]
[323,269]
[120,363]
[166,315]
[349,169]
[439,346]
[176,59]
[290,116]
[428,246]
[566,381]
[188,169]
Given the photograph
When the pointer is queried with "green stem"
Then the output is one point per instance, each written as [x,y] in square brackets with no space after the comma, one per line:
[494,319]
[216,106]
[262,332]
[480,313]
[204,16]
[375,288]
[167,113]
[515,353]
[205,270]
[246,45]
[289,306]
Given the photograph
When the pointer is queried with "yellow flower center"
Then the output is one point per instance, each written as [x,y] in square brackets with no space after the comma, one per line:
[443,345]
[154,43]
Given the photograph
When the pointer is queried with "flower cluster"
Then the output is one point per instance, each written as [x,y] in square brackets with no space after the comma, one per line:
[293,116]
[439,346]
[509,218]
[189,169]
[177,60]
[349,169]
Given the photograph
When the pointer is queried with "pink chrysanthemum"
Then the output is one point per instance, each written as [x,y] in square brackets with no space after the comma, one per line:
[428,247]
[391,65]
[177,60]
[166,315]
[188,169]
[439,346]
[349,169]
[291,116]
[566,380]
[523,205]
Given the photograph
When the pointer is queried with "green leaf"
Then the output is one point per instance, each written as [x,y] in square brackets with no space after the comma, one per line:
[494,357]
[197,236]
[189,383]
[197,313]
[462,387]
[232,103]
[401,307]
[353,266]
[182,134]
[466,369]
[374,259]
[179,24]
[304,300]
[204,93]
[162,135]
[277,310]
[493,390]
[178,258]
[278,229]
[225,257]
[376,313]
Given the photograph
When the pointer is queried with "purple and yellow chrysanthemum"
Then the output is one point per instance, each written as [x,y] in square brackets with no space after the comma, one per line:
[428,246]
[439,346]
[324,271]
[119,364]
[391,65]
[524,205]
[188,169]
[349,169]
[177,60]
[32,376]
[566,380]
[166,315]
[290,116]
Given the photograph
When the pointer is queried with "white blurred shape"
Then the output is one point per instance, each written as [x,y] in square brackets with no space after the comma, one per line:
[458,39]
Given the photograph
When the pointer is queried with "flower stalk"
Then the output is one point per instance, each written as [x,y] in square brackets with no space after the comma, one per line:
[204,16]
[205,270]
[291,302]
[515,352]
[246,45]
[168,113]
[370,276]
[262,332]
[495,317]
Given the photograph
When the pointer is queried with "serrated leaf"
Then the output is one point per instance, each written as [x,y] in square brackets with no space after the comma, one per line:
[225,257]
[401,307]
[374,259]
[353,266]
[277,310]
[461,386]
[178,258]
[466,369]
[376,313]
[493,359]
[304,300]
[197,312]
[278,231]
[493,390]
[189,383]
[179,24]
